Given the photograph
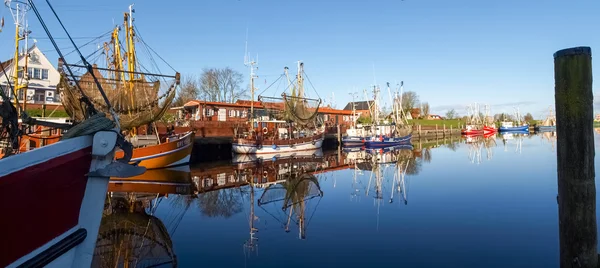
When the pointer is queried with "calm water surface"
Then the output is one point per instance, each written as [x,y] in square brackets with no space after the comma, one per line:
[461,203]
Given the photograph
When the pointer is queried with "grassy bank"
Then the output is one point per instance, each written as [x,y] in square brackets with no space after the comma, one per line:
[39,112]
[448,122]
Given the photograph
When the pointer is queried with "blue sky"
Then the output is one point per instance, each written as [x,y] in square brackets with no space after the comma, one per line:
[451,53]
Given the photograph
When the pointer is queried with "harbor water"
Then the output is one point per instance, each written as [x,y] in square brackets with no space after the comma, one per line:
[481,202]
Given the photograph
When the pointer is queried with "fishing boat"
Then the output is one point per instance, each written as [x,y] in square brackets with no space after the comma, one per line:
[355,135]
[54,194]
[399,132]
[549,123]
[471,130]
[287,125]
[139,97]
[509,126]
[474,122]
[489,127]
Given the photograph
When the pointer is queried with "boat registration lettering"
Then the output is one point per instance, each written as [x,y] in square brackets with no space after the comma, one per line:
[183,143]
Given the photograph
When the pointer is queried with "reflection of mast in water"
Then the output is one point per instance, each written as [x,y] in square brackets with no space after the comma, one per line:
[399,179]
[295,189]
[550,137]
[356,191]
[252,243]
[489,143]
[475,145]
[131,236]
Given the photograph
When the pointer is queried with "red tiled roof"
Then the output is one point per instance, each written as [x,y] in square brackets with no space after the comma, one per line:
[259,105]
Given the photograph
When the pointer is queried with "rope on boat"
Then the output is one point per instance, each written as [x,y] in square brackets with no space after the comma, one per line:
[95,123]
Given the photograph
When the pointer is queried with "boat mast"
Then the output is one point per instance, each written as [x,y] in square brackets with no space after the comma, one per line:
[128,18]
[251,64]
[18,11]
[353,126]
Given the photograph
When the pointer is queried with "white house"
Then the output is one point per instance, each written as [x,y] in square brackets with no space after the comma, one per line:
[41,74]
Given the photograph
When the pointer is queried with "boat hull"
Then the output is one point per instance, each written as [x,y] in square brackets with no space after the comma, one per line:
[472,132]
[546,128]
[376,142]
[514,129]
[302,144]
[177,180]
[246,158]
[353,141]
[489,130]
[54,205]
[174,152]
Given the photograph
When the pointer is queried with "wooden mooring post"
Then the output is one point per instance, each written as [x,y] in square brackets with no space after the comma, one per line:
[575,158]
[339,135]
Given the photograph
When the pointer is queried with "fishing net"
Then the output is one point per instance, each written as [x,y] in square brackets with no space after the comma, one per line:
[302,111]
[294,190]
[132,239]
[138,99]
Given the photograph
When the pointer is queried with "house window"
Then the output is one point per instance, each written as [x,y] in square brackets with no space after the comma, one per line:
[37,73]
[210,112]
[231,113]
[29,72]
[244,113]
[44,74]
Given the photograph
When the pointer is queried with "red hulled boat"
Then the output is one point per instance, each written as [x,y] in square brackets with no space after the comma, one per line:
[52,197]
[471,130]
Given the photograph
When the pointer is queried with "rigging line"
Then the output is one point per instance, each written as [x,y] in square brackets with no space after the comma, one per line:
[311,84]
[85,98]
[311,215]
[270,85]
[282,224]
[87,43]
[147,50]
[144,42]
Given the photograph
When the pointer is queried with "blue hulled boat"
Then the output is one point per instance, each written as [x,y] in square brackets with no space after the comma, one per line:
[509,127]
[353,141]
[380,141]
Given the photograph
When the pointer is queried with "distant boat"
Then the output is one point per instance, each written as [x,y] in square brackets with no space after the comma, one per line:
[509,126]
[471,130]
[549,123]
[399,132]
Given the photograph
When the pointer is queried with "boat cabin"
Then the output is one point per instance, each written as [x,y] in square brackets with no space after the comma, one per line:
[507,124]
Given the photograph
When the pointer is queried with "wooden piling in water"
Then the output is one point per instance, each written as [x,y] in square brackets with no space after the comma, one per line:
[575,158]
[339,135]
[444,131]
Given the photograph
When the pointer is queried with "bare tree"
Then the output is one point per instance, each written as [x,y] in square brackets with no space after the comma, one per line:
[528,117]
[188,90]
[222,85]
[451,114]
[425,106]
[410,100]
[221,203]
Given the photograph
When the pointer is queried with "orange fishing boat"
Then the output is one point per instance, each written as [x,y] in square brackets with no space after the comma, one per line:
[173,151]
[139,97]
[176,180]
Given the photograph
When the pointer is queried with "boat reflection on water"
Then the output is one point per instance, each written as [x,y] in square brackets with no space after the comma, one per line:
[477,143]
[284,187]
[516,137]
[130,234]
[550,137]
